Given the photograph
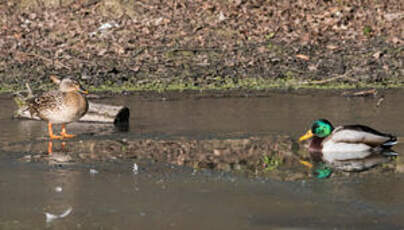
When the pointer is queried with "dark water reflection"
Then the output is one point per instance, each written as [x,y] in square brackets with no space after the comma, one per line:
[162,197]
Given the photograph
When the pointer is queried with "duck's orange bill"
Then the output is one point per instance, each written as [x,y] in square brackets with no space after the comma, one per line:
[306,136]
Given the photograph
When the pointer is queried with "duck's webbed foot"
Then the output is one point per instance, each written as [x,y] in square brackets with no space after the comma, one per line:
[65,134]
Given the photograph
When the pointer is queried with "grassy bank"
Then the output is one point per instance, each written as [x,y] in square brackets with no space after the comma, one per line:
[219,84]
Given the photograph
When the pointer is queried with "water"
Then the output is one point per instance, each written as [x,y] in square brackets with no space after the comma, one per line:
[279,113]
[162,196]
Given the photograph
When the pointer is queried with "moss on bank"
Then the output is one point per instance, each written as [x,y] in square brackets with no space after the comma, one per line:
[219,84]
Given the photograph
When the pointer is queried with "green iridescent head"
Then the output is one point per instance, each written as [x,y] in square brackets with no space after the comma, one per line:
[320,128]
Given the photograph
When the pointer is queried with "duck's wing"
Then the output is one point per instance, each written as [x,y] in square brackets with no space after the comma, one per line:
[45,102]
[342,151]
[361,134]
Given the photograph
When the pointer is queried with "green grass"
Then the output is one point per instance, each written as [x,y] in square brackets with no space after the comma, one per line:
[221,84]
[242,84]
[271,163]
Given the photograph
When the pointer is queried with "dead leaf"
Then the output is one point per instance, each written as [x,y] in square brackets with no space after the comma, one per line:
[378,54]
[332,47]
[302,56]
[17,36]
[312,68]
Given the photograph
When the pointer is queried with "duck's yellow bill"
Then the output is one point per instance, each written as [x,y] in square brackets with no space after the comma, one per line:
[306,163]
[83,91]
[306,136]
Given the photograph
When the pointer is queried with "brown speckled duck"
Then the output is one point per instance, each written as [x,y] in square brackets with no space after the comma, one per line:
[62,106]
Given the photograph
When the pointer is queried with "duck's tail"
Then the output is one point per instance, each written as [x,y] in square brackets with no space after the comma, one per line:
[385,151]
[393,140]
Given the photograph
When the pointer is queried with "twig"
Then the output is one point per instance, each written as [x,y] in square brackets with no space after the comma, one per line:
[30,94]
[195,50]
[371,92]
[379,102]
[345,75]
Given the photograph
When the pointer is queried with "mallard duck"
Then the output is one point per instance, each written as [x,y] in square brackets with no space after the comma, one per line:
[348,142]
[62,106]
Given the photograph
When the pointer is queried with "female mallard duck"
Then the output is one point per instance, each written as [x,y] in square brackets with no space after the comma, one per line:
[349,142]
[62,106]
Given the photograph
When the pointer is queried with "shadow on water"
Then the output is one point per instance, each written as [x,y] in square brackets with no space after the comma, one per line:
[111,195]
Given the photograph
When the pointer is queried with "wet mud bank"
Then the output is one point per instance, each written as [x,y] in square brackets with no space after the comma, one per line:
[272,157]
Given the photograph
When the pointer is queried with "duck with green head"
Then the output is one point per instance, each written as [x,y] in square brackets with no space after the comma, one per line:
[348,142]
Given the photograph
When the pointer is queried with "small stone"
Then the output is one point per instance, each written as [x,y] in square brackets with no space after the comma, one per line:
[58,189]
[60,157]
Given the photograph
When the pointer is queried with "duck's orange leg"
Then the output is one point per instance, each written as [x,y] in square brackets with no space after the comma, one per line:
[50,145]
[53,137]
[64,134]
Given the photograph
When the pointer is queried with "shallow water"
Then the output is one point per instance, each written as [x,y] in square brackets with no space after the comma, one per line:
[279,113]
[161,196]
[164,197]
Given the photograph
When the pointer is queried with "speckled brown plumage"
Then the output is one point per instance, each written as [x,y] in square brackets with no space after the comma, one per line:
[62,106]
[59,107]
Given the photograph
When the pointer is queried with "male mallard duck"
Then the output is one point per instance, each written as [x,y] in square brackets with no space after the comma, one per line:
[62,106]
[348,142]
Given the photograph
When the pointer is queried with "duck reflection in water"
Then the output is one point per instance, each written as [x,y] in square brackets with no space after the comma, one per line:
[50,146]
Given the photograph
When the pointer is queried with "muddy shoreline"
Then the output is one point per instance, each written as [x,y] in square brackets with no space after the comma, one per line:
[330,44]
[258,157]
